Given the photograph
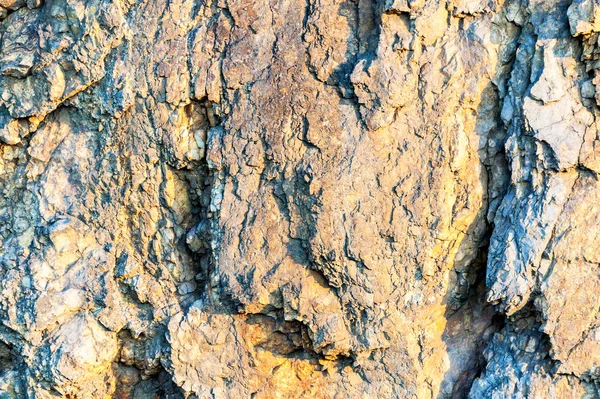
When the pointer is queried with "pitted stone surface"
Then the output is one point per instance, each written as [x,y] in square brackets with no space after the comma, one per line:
[299,198]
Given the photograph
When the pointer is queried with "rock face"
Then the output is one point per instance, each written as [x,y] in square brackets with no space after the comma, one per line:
[299,199]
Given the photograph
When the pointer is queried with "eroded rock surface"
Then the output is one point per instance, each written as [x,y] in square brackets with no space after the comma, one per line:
[299,198]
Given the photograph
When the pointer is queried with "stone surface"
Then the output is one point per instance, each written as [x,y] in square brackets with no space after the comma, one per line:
[299,199]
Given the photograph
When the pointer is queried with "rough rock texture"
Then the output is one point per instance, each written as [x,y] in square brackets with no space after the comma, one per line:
[299,199]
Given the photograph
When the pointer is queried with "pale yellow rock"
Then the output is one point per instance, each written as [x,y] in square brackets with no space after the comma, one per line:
[291,199]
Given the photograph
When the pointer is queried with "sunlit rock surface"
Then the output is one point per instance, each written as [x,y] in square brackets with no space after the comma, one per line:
[299,199]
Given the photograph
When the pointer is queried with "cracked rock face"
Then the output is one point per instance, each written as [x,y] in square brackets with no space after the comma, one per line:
[299,199]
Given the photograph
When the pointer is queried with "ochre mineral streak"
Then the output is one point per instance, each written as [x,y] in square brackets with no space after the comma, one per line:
[256,199]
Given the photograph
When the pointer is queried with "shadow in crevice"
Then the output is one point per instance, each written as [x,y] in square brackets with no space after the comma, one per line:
[363,18]
[471,321]
[470,324]
[546,28]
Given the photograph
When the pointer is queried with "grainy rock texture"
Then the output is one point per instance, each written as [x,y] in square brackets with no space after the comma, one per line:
[299,199]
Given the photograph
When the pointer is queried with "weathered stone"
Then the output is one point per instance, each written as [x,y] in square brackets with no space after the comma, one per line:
[584,17]
[299,199]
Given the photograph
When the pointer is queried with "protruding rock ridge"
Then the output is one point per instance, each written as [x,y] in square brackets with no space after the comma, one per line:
[540,255]
[298,198]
